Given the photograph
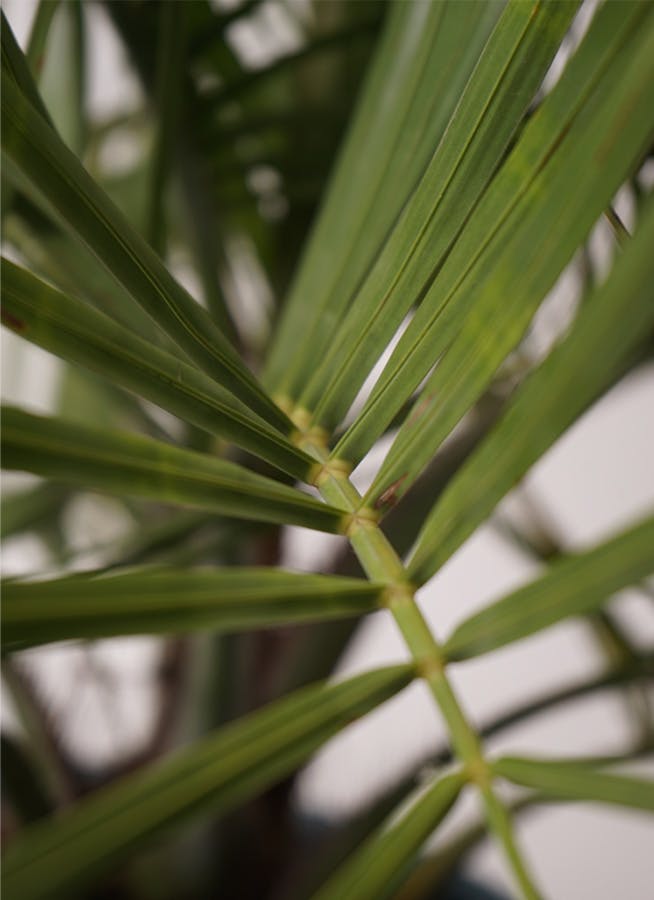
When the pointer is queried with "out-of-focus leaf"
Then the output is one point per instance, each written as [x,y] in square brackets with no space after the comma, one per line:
[62,82]
[574,781]
[572,586]
[56,856]
[17,67]
[379,866]
[21,785]
[38,35]
[170,600]
[128,465]
[32,508]
[171,53]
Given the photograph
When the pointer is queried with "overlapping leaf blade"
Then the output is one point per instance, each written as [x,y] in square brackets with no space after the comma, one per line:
[375,870]
[575,585]
[500,89]
[600,149]
[128,465]
[78,333]
[574,781]
[217,773]
[474,258]
[419,70]
[15,63]
[170,600]
[609,326]
[58,177]
[24,510]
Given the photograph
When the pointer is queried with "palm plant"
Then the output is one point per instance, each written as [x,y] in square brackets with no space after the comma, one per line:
[466,184]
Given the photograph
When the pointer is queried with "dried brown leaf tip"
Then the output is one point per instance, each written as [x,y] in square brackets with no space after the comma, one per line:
[388,498]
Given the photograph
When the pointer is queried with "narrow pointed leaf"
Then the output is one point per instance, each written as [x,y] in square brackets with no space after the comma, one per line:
[171,52]
[78,333]
[601,148]
[504,82]
[62,82]
[31,508]
[38,35]
[575,585]
[58,177]
[169,600]
[572,781]
[15,63]
[608,327]
[420,67]
[513,196]
[128,465]
[378,867]
[216,774]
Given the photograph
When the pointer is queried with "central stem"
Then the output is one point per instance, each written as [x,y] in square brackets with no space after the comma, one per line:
[382,564]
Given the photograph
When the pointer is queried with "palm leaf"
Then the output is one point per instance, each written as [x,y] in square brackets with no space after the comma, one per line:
[607,329]
[216,774]
[476,256]
[573,586]
[164,601]
[59,179]
[556,214]
[78,333]
[420,67]
[572,781]
[375,870]
[124,464]
[500,89]
[465,186]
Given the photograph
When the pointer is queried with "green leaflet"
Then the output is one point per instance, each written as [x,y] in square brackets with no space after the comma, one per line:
[25,510]
[171,57]
[215,774]
[375,870]
[475,258]
[575,781]
[608,326]
[62,78]
[15,63]
[504,82]
[599,151]
[128,465]
[421,64]
[575,585]
[58,177]
[38,35]
[78,333]
[169,600]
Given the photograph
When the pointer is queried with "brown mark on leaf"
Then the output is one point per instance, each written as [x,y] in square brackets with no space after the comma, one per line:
[419,409]
[389,497]
[12,322]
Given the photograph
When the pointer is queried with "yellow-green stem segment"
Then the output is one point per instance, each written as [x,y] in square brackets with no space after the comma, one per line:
[382,564]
